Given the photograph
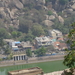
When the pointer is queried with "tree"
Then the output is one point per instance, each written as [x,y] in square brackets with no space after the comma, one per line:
[24,25]
[11,29]
[16,34]
[53,1]
[50,48]
[41,51]
[7,50]
[63,2]
[3,33]
[69,59]
[1,42]
[0,60]
[29,36]
[10,56]
[50,13]
[29,52]
[37,30]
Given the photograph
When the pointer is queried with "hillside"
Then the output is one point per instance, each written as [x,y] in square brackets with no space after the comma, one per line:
[25,19]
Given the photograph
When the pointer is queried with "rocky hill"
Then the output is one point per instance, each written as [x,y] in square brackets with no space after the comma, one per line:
[25,15]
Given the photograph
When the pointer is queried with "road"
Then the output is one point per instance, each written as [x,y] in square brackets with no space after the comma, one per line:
[32,60]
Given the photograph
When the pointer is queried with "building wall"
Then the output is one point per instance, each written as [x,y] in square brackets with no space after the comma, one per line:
[19,57]
[30,71]
[43,41]
[55,33]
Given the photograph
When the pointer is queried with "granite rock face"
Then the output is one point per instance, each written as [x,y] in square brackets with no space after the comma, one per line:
[10,10]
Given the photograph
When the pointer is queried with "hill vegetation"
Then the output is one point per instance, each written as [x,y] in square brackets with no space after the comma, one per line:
[25,19]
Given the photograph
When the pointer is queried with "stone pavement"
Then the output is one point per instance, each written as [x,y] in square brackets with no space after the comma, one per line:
[54,73]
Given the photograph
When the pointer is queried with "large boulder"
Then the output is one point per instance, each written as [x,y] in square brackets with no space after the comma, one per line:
[48,22]
[69,10]
[52,17]
[61,20]
[12,12]
[41,1]
[73,6]
[2,13]
[18,4]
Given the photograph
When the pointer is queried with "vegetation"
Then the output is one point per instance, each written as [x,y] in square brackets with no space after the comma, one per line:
[29,52]
[37,30]
[41,51]
[63,2]
[50,48]
[63,28]
[3,33]
[10,56]
[7,49]
[50,13]
[16,34]
[69,59]
[31,22]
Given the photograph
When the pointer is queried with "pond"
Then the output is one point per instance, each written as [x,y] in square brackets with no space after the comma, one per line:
[46,66]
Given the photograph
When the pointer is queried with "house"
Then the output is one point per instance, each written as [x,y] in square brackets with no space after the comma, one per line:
[8,40]
[63,46]
[29,71]
[15,45]
[42,41]
[19,55]
[56,45]
[55,33]
[60,46]
[60,39]
[26,45]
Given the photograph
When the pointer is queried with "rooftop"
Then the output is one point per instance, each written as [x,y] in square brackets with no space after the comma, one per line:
[42,39]
[25,71]
[55,31]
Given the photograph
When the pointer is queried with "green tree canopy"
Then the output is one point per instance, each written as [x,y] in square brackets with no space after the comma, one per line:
[29,52]
[16,34]
[29,36]
[41,51]
[37,30]
[2,43]
[63,2]
[7,50]
[25,25]
[69,59]
[3,33]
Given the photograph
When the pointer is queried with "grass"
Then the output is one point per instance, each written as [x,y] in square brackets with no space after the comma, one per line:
[46,66]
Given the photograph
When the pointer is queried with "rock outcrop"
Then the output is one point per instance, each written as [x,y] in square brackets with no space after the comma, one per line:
[18,4]
[48,23]
[10,10]
[61,20]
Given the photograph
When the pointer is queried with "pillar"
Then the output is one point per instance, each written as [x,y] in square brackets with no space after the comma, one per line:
[18,57]
[14,59]
[22,57]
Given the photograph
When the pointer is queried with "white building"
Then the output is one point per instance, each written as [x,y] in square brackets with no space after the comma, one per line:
[55,33]
[42,41]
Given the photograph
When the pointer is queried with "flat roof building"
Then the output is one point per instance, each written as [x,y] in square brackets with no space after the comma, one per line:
[55,33]
[42,41]
[29,71]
